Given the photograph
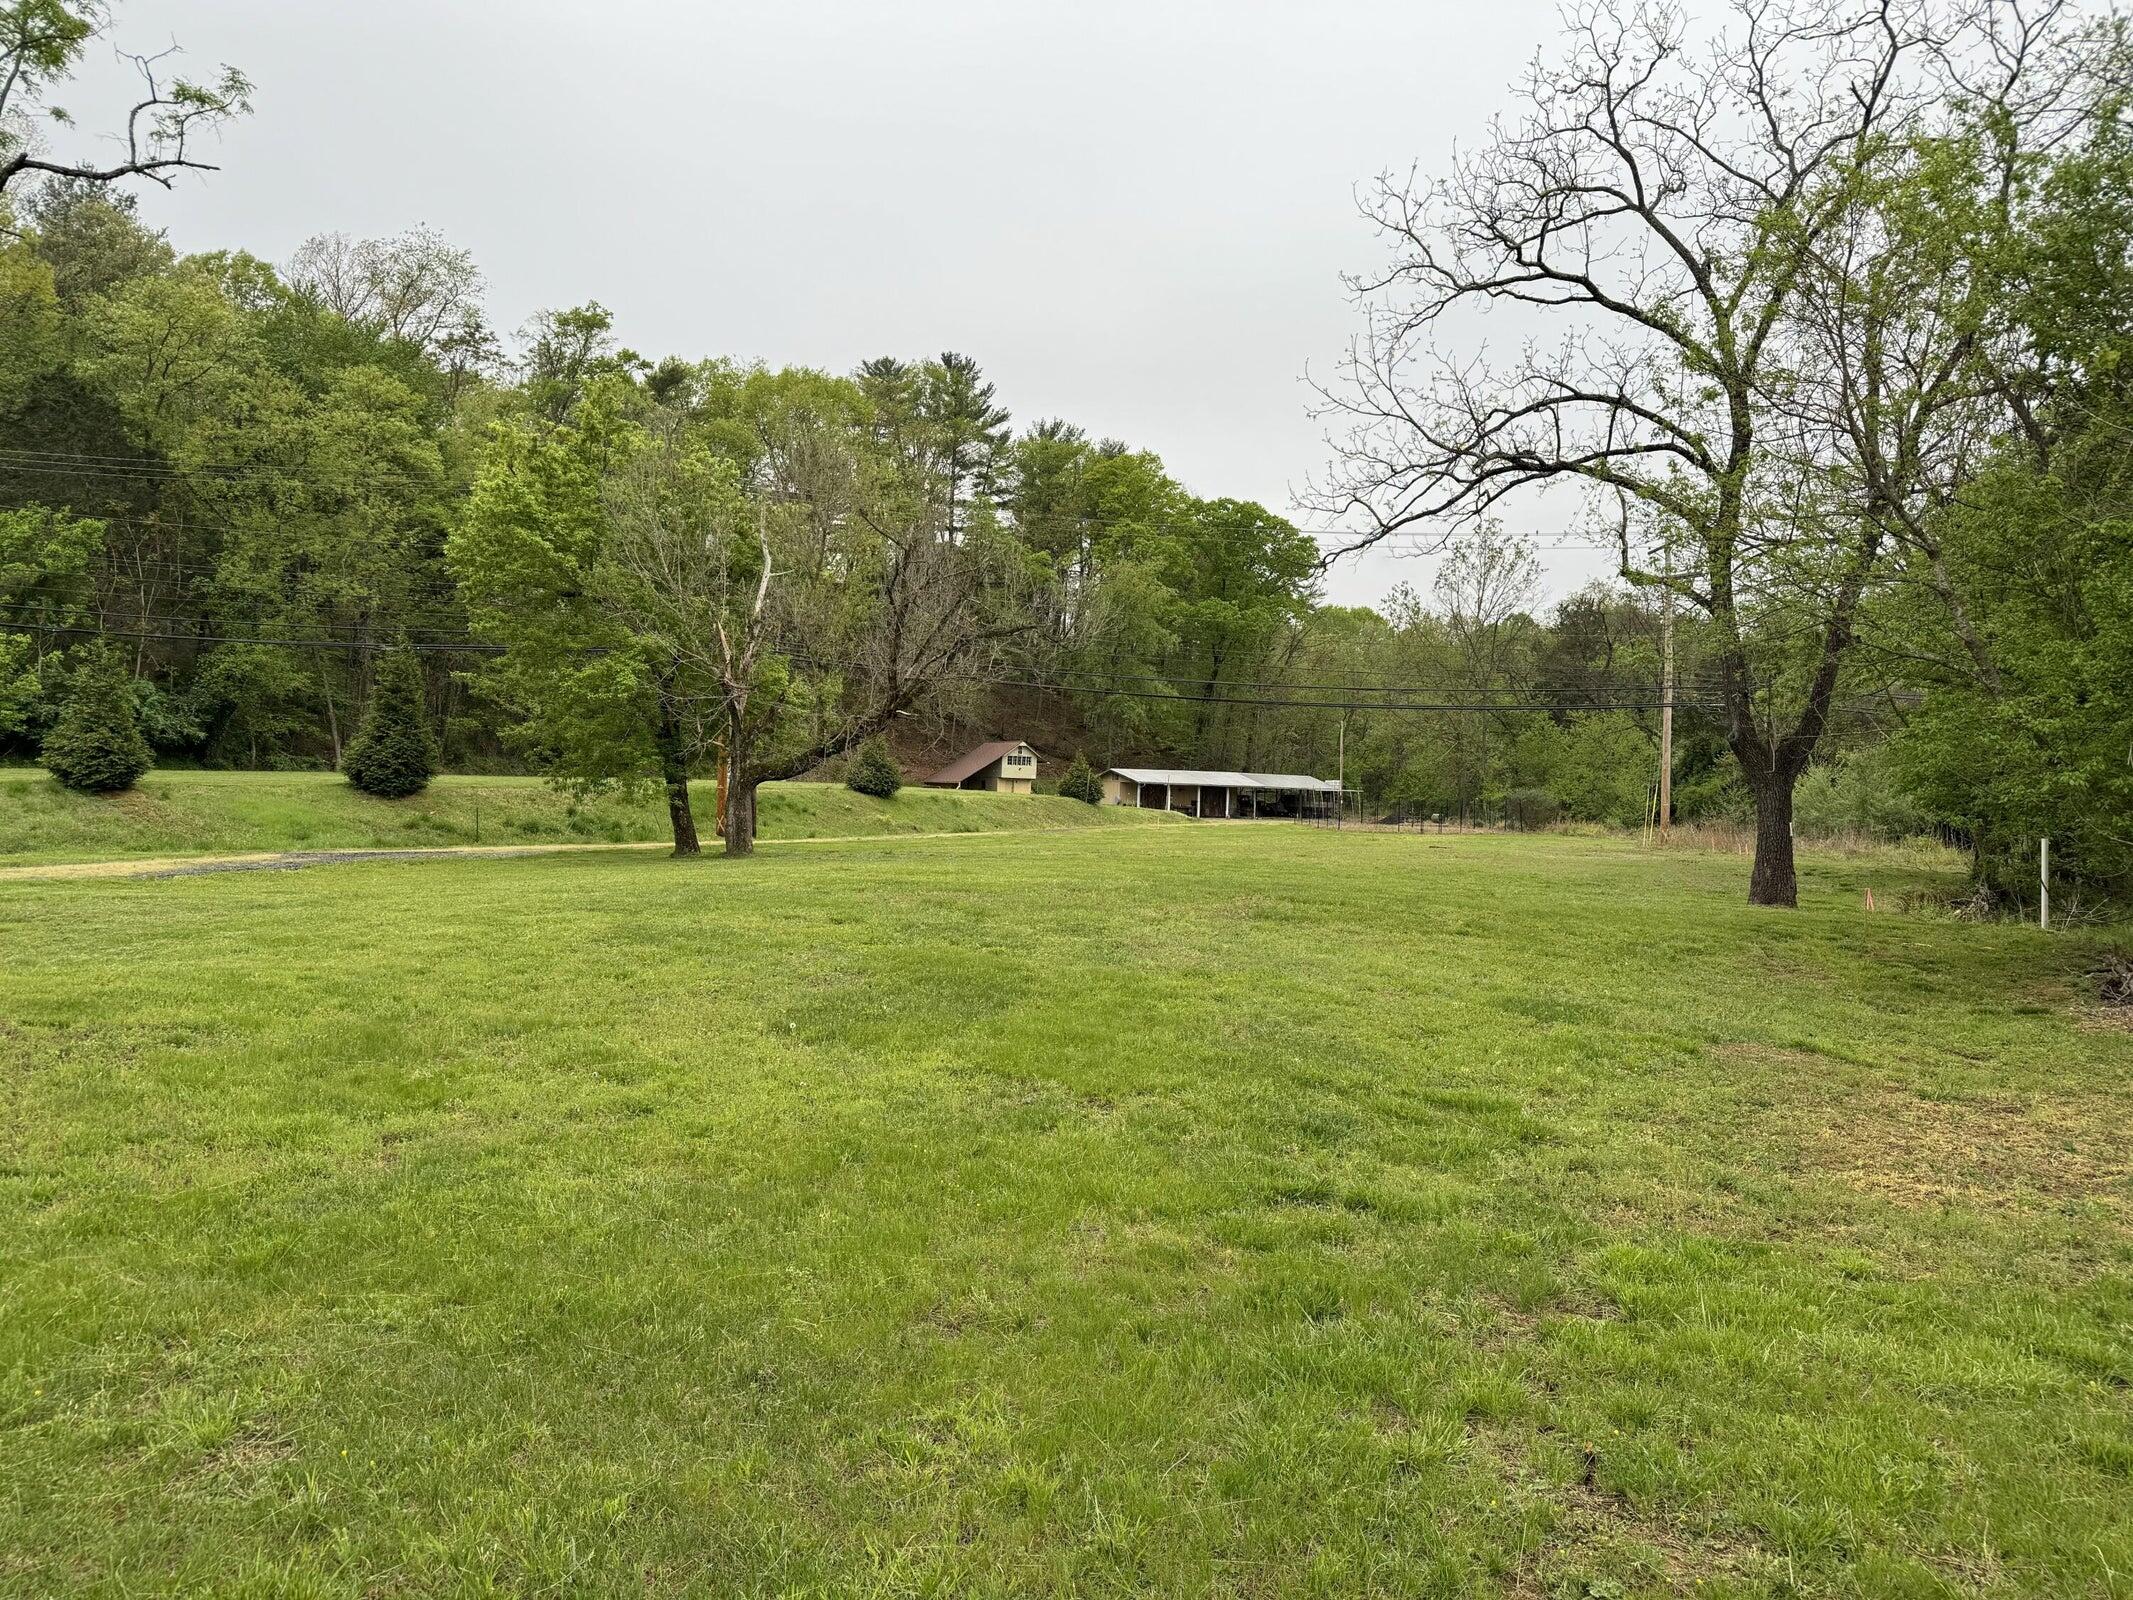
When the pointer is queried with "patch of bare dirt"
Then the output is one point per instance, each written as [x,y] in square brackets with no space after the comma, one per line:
[1594,1524]
[1509,1324]
[1998,1152]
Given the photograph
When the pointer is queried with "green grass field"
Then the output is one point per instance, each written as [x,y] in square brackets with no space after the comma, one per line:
[191,813]
[1181,1211]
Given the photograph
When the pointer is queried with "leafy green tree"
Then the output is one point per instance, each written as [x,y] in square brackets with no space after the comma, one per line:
[1239,580]
[1606,769]
[30,325]
[874,770]
[1047,483]
[41,553]
[394,753]
[1080,782]
[2017,614]
[172,353]
[91,237]
[565,351]
[1860,791]
[942,425]
[95,746]
[611,658]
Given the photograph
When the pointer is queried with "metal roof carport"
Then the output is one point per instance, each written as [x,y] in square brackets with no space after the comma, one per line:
[1228,784]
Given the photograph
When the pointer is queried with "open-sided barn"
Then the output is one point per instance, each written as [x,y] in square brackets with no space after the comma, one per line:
[1222,794]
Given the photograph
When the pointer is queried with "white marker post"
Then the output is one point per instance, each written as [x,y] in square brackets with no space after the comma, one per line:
[2044,884]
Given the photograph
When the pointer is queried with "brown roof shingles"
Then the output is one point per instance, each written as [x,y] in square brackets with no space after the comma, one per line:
[972,762]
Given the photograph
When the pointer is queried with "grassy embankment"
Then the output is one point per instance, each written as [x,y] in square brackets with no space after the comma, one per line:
[195,813]
[1165,1211]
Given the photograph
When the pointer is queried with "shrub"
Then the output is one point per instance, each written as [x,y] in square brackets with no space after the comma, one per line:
[1081,783]
[874,770]
[1858,791]
[1607,770]
[394,754]
[1530,808]
[96,746]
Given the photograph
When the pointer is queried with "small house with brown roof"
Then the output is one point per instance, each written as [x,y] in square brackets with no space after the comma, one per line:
[1005,766]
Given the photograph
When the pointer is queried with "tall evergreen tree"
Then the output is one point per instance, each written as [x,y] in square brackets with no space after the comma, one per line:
[394,754]
[1080,782]
[970,430]
[96,746]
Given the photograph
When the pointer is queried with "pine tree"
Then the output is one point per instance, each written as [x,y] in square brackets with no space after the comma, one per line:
[1080,782]
[874,770]
[96,746]
[971,431]
[394,754]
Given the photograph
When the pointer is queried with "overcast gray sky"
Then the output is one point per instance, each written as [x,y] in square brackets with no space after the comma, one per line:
[1134,213]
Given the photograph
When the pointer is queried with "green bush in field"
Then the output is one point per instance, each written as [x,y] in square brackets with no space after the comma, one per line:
[1081,782]
[1857,791]
[96,746]
[394,754]
[874,770]
[1530,808]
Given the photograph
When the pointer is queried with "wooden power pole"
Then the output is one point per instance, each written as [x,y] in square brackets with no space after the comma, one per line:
[1666,716]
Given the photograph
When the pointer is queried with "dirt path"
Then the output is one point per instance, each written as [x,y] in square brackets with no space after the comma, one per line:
[295,860]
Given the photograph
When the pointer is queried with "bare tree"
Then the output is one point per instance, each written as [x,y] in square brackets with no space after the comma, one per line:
[40,42]
[415,287]
[1655,207]
[1487,579]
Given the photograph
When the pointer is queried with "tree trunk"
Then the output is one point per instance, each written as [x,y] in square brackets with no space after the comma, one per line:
[740,788]
[1772,881]
[740,819]
[333,720]
[681,816]
[674,773]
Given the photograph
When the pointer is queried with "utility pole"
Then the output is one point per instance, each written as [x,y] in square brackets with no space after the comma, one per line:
[1340,774]
[2044,884]
[1666,711]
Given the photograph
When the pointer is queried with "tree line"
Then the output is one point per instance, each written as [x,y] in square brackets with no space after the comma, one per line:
[1841,300]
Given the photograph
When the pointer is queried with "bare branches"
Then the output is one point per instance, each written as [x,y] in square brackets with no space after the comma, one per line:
[1732,339]
[40,41]
[415,287]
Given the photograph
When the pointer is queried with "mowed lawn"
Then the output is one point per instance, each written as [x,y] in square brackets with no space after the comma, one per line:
[1186,1210]
[197,813]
